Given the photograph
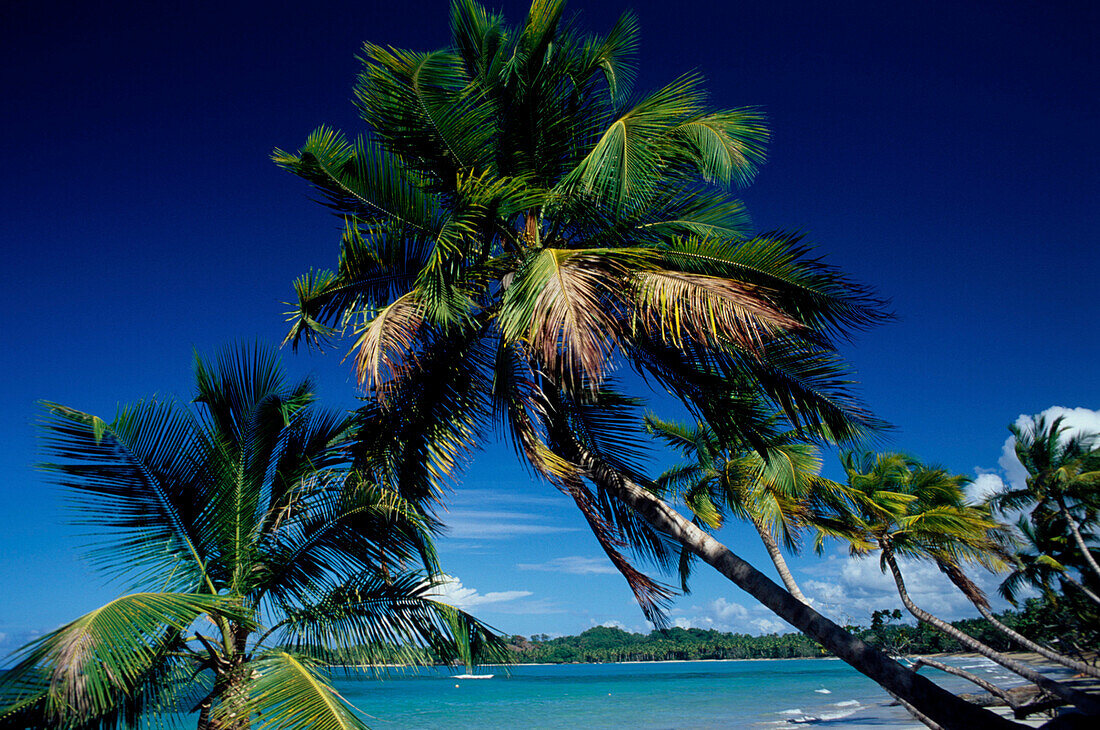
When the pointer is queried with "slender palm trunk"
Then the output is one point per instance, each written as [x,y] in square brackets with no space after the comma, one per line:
[939,705]
[1030,645]
[1076,530]
[917,714]
[1076,584]
[969,589]
[969,676]
[1084,702]
[226,707]
[777,559]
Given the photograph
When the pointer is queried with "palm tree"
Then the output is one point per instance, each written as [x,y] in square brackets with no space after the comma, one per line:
[773,489]
[1063,476]
[1042,555]
[261,558]
[517,227]
[906,509]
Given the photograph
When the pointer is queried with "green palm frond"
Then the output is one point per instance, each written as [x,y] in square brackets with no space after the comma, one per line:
[368,528]
[727,146]
[363,180]
[418,439]
[689,214]
[614,55]
[291,693]
[371,620]
[426,110]
[479,37]
[135,479]
[698,440]
[87,668]
[623,165]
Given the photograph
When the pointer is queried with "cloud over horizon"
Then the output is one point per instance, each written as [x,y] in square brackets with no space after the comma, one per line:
[573,565]
[451,591]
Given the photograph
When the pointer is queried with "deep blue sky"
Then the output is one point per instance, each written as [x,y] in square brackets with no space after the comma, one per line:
[944,152]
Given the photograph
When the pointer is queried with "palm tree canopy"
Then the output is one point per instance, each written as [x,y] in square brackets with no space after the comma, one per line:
[916,510]
[1060,501]
[241,517]
[519,224]
[778,488]
[775,486]
[1058,464]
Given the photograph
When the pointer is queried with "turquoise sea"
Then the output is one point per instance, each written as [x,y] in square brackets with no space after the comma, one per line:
[717,694]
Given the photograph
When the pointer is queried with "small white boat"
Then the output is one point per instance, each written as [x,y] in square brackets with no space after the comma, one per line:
[472,676]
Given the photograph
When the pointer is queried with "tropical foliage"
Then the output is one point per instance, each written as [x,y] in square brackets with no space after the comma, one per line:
[519,225]
[260,554]
[904,508]
[519,229]
[886,630]
[1062,497]
[777,488]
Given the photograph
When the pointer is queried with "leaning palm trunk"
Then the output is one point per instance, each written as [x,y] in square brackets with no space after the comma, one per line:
[917,714]
[777,559]
[1077,584]
[976,596]
[1076,530]
[1026,643]
[939,705]
[969,676]
[1084,702]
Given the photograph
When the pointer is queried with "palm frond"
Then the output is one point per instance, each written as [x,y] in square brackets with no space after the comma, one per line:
[374,619]
[624,165]
[137,477]
[727,146]
[426,110]
[561,304]
[677,306]
[89,667]
[291,693]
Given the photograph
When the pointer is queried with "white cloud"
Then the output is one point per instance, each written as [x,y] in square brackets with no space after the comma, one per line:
[859,587]
[574,565]
[498,525]
[726,611]
[527,608]
[770,625]
[987,483]
[451,591]
[724,615]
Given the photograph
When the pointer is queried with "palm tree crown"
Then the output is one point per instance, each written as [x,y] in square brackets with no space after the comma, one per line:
[777,489]
[261,556]
[1063,476]
[519,224]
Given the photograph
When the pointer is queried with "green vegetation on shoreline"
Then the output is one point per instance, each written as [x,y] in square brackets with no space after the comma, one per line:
[1037,620]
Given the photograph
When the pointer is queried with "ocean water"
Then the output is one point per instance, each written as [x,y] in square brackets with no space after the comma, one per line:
[719,694]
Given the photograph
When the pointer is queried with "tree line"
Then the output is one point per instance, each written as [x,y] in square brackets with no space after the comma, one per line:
[1037,619]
